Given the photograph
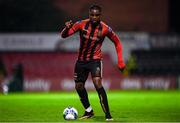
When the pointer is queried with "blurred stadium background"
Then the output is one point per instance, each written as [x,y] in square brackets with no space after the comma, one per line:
[33,57]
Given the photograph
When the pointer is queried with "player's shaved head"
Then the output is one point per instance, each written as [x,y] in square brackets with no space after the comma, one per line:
[95,7]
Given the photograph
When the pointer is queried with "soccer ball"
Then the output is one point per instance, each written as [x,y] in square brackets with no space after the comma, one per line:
[70,113]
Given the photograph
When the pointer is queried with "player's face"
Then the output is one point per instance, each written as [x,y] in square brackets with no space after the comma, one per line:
[94,16]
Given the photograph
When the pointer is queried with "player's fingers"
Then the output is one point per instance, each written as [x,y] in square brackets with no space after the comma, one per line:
[69,24]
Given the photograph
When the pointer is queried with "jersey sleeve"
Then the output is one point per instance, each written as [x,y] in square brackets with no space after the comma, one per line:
[76,26]
[67,32]
[117,42]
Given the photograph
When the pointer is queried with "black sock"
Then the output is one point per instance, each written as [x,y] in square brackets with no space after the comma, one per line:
[103,100]
[83,97]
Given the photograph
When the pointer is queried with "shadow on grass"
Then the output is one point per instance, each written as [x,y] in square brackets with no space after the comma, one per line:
[102,119]
[99,118]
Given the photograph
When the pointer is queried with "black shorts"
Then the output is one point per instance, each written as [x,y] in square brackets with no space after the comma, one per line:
[82,69]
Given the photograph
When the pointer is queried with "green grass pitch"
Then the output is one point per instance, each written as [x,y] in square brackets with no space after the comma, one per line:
[125,106]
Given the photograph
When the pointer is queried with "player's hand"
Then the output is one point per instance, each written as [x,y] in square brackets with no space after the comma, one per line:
[69,24]
[121,67]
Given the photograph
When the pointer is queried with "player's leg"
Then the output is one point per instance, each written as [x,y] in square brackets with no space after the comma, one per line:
[102,96]
[80,76]
[97,80]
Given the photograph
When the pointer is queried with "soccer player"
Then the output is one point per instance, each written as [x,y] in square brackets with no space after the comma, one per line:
[92,32]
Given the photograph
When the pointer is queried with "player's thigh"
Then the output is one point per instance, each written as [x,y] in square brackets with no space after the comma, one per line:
[80,73]
[96,69]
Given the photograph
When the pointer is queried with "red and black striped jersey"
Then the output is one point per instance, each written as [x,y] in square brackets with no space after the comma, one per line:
[91,39]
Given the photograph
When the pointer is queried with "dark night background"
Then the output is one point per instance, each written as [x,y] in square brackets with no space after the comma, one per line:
[43,16]
[174,17]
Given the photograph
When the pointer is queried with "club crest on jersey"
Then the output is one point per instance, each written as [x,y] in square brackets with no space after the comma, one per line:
[99,34]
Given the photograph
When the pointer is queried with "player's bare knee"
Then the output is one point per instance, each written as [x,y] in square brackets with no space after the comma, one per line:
[97,82]
[79,86]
